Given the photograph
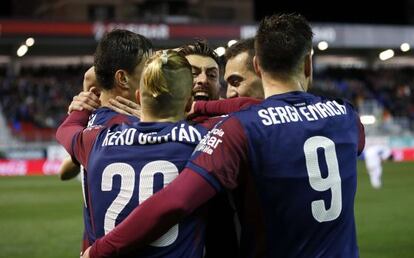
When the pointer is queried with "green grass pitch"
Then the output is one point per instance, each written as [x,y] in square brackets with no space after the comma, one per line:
[42,216]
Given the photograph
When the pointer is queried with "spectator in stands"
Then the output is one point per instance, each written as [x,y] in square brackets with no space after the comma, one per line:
[35,100]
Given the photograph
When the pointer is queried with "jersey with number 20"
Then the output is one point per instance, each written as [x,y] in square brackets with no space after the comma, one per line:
[126,164]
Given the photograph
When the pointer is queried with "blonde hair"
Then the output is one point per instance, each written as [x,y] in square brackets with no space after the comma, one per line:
[162,73]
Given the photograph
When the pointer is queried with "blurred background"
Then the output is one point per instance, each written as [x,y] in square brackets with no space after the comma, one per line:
[362,54]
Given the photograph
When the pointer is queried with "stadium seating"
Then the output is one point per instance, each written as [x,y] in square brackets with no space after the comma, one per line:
[35,102]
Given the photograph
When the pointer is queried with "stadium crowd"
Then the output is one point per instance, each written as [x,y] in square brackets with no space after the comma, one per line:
[391,87]
[35,101]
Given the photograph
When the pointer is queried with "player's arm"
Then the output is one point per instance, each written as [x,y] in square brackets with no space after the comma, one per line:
[72,136]
[361,136]
[222,106]
[68,169]
[156,215]
[86,100]
[71,127]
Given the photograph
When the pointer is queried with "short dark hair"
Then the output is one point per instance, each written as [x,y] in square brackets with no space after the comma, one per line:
[244,45]
[282,41]
[201,48]
[119,49]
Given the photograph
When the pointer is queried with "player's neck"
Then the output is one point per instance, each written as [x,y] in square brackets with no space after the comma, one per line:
[274,86]
[148,116]
[104,98]
[108,94]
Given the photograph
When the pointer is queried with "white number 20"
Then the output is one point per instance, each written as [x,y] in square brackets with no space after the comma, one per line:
[127,173]
[332,181]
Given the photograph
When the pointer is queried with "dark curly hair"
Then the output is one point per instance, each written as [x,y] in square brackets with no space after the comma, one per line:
[201,48]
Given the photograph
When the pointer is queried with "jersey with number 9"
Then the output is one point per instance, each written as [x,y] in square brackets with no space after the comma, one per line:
[292,163]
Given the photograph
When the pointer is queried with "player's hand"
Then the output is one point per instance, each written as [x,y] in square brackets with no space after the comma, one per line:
[86,253]
[88,100]
[190,112]
[125,106]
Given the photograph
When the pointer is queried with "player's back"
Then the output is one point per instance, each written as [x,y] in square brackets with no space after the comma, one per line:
[101,116]
[128,164]
[299,194]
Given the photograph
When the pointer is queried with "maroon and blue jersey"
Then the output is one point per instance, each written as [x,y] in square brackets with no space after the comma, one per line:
[101,116]
[291,162]
[128,163]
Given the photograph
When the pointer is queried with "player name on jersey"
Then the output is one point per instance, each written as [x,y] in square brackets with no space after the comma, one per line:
[129,136]
[301,112]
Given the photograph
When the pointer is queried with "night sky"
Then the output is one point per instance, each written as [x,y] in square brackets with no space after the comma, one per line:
[341,11]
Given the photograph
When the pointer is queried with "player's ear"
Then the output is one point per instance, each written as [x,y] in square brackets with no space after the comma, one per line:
[137,97]
[257,67]
[121,79]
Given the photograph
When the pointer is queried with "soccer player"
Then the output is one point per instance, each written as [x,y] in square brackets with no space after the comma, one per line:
[118,62]
[374,156]
[290,161]
[119,59]
[205,68]
[129,162]
[221,239]
[242,80]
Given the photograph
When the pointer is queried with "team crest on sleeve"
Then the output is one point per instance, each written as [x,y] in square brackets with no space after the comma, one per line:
[93,127]
[91,120]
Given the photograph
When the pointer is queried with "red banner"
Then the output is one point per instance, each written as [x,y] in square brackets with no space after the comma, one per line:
[29,167]
[405,154]
[97,29]
[45,28]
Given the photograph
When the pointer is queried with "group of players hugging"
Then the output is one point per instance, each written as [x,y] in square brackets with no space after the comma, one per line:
[169,169]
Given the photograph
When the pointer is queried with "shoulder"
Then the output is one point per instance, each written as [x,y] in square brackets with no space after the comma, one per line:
[105,115]
[210,122]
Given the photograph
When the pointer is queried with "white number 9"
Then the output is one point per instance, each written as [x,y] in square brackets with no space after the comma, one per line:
[332,181]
